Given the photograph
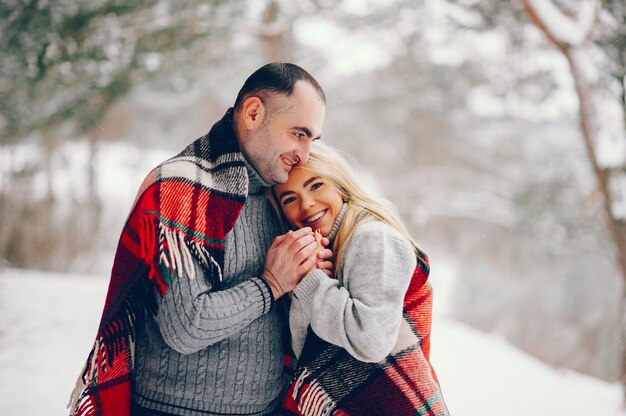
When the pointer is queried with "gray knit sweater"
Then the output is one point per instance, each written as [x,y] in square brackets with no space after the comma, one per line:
[361,309]
[217,352]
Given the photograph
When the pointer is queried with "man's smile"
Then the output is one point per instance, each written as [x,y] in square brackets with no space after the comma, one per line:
[288,161]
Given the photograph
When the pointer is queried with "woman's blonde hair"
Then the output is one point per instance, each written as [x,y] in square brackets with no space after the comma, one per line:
[331,166]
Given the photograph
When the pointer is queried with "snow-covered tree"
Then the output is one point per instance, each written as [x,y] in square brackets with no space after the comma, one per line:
[569,25]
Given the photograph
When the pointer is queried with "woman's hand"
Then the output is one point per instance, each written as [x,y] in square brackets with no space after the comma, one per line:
[325,257]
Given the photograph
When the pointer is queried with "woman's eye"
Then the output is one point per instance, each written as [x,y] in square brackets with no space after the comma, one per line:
[288,200]
[316,185]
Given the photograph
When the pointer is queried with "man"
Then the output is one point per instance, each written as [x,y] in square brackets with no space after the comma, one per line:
[204,238]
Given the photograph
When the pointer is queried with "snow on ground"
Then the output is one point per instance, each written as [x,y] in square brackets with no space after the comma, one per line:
[50,321]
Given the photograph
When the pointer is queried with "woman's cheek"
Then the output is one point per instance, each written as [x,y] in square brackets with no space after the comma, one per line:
[292,219]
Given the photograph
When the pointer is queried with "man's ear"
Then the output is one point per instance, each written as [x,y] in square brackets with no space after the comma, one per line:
[253,113]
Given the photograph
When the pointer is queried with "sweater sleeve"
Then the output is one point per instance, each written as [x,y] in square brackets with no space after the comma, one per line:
[364,314]
[300,313]
[191,316]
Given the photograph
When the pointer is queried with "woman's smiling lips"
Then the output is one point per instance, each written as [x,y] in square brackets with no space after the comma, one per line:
[314,218]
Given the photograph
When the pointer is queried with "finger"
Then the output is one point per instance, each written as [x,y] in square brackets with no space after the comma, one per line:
[325,254]
[289,237]
[325,242]
[324,265]
[306,266]
[305,253]
[300,244]
[293,236]
[328,272]
[302,231]
[278,240]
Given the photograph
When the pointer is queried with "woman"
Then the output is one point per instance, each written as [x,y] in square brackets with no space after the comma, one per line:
[362,338]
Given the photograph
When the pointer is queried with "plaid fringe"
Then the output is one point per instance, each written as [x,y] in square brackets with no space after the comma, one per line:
[175,252]
[315,401]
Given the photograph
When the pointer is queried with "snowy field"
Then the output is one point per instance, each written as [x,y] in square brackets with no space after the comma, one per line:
[50,320]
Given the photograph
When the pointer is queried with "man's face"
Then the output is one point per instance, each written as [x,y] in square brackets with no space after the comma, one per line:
[285,138]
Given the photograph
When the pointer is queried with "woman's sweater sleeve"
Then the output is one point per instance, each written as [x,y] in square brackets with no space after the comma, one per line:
[192,316]
[364,314]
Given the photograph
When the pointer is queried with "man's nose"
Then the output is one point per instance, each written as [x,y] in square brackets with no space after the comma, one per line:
[303,151]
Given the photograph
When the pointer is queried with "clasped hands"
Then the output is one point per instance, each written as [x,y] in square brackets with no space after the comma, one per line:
[291,257]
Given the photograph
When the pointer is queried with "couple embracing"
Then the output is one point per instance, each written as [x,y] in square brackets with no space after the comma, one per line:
[256,276]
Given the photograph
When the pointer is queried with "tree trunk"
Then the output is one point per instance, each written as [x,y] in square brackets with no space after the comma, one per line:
[50,149]
[92,185]
[606,176]
[617,227]
[275,34]
[93,199]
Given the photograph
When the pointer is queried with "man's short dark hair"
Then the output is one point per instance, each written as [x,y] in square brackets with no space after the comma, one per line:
[277,78]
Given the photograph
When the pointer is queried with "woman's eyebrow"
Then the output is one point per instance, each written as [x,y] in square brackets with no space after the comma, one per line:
[285,193]
[309,181]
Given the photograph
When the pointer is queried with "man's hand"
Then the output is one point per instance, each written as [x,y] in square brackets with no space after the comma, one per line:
[289,259]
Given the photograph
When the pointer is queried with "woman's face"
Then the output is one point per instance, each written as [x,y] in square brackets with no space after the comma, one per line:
[308,200]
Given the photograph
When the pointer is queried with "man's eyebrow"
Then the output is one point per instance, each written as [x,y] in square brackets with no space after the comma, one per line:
[308,133]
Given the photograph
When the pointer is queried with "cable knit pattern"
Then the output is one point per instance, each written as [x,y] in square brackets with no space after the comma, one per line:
[217,352]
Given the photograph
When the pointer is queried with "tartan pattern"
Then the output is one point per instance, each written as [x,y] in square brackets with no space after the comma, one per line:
[329,381]
[184,209]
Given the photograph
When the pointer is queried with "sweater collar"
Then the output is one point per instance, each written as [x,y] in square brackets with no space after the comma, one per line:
[256,182]
[335,228]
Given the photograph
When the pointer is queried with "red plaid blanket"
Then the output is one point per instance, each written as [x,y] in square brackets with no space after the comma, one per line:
[184,209]
[329,381]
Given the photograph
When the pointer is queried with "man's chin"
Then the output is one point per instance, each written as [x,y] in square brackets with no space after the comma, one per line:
[274,178]
[280,178]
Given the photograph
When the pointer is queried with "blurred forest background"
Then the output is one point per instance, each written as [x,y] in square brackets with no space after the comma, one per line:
[496,127]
